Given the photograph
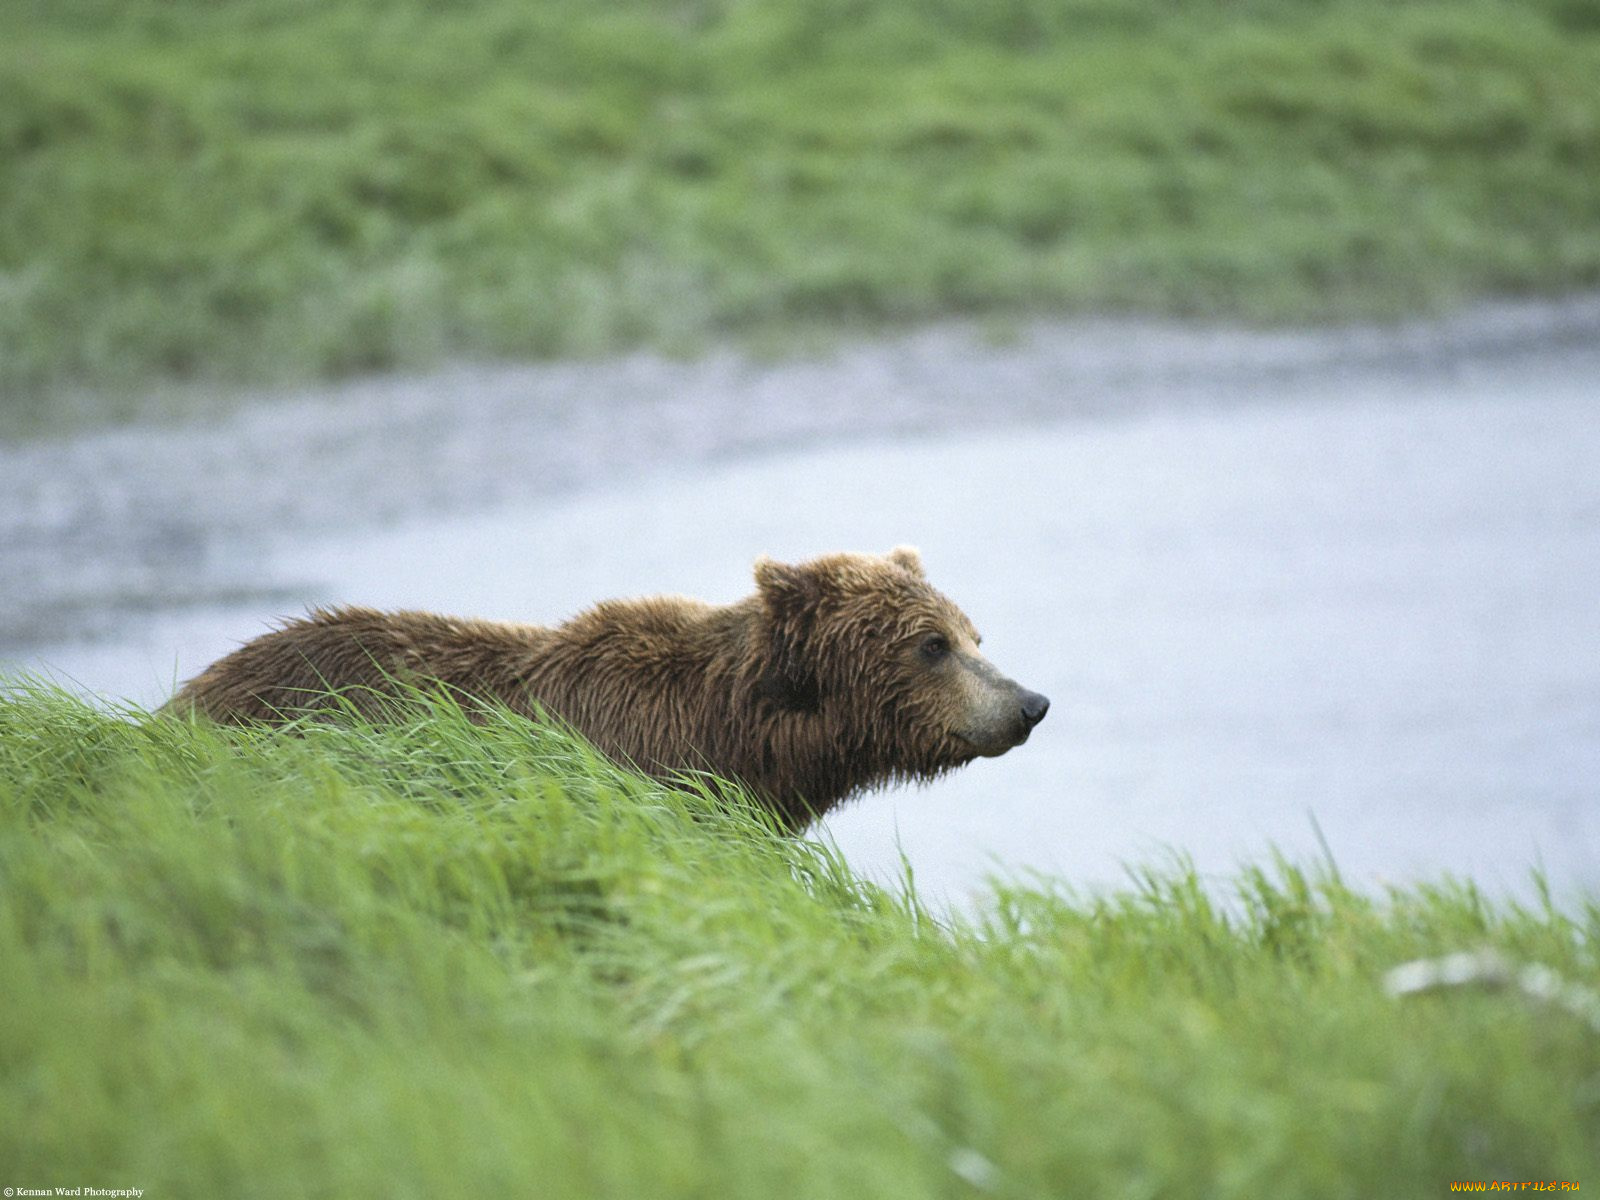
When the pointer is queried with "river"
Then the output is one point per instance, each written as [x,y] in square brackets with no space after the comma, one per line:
[1319,592]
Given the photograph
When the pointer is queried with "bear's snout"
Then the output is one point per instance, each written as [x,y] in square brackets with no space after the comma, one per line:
[1031,708]
[1001,713]
[1034,707]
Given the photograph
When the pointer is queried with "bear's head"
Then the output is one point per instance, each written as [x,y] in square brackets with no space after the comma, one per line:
[889,665]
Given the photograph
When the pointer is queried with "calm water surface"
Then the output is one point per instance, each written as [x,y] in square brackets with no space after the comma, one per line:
[1373,608]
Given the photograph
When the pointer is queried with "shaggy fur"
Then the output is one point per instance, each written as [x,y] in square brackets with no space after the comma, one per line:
[839,674]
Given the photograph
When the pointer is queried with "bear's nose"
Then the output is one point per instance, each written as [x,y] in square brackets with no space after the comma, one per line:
[1034,707]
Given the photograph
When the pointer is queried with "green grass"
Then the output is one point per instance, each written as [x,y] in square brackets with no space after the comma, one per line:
[271,190]
[453,960]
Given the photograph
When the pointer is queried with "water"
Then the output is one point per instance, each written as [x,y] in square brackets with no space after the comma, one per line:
[1361,601]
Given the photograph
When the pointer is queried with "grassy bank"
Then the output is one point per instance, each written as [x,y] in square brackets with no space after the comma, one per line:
[280,189]
[455,961]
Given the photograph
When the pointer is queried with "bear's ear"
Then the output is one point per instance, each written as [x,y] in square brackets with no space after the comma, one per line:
[907,557]
[790,596]
[783,587]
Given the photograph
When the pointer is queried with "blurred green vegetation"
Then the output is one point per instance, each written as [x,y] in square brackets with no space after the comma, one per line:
[447,959]
[269,190]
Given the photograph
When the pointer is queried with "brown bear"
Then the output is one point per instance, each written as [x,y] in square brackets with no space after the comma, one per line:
[839,674]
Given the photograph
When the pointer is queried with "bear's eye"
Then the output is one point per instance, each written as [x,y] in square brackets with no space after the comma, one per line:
[935,646]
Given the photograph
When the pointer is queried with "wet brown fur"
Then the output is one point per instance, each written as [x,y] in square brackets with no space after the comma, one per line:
[817,686]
